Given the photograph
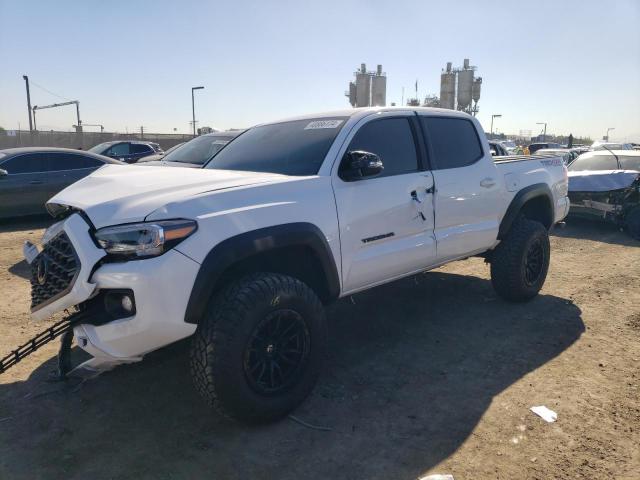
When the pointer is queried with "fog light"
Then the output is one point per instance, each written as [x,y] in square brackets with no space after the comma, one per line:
[119,303]
[127,303]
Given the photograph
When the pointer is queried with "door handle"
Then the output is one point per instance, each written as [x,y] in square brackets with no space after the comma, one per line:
[487,182]
[36,182]
[414,196]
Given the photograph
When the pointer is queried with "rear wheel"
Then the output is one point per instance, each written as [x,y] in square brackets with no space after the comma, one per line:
[632,223]
[520,262]
[257,354]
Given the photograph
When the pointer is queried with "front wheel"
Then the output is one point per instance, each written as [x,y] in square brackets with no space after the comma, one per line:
[520,262]
[257,354]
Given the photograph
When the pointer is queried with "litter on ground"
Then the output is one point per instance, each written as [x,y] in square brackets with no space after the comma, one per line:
[546,414]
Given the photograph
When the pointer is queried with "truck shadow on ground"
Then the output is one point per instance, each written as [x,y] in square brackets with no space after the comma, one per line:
[412,368]
[598,231]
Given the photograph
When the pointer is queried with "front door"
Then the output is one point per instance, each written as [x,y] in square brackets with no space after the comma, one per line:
[24,190]
[386,222]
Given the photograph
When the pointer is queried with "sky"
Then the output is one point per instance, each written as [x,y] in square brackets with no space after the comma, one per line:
[132,63]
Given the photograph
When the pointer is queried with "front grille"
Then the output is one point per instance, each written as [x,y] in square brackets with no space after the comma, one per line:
[53,271]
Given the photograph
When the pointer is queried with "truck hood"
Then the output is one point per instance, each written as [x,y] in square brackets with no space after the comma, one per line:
[117,194]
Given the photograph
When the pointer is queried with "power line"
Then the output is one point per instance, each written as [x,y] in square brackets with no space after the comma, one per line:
[48,91]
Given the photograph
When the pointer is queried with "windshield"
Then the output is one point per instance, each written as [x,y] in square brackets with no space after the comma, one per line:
[198,150]
[288,148]
[509,144]
[593,163]
[101,147]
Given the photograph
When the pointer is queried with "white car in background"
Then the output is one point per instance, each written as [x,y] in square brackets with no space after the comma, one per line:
[601,145]
[196,152]
[509,145]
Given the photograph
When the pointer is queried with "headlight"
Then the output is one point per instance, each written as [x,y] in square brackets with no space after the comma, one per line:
[141,240]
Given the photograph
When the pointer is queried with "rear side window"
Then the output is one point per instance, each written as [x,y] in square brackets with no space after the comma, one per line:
[594,162]
[392,140]
[140,148]
[65,161]
[454,141]
[29,163]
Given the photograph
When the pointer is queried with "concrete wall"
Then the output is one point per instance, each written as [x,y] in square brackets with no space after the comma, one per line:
[85,140]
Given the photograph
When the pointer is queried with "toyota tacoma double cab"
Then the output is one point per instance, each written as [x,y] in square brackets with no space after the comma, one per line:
[243,254]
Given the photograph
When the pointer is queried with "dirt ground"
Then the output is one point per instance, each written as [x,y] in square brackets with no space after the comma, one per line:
[432,374]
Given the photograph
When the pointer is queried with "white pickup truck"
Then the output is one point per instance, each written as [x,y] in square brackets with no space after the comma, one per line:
[289,216]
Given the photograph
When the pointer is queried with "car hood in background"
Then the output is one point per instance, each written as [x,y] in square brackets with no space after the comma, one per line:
[150,158]
[601,180]
[162,163]
[117,194]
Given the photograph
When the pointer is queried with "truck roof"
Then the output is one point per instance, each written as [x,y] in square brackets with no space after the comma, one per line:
[364,111]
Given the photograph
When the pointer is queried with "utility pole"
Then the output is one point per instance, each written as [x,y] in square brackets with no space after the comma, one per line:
[544,135]
[492,117]
[193,108]
[609,129]
[26,79]
[141,132]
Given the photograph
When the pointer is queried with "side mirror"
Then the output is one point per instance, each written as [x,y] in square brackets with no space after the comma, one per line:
[3,172]
[358,164]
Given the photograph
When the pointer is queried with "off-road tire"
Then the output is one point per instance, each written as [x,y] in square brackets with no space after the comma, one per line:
[509,261]
[219,346]
[632,223]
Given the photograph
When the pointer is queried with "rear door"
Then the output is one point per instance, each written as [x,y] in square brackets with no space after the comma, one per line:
[25,189]
[140,150]
[468,187]
[386,222]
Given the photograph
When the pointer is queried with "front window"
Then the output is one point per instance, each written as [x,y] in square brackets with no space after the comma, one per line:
[198,150]
[288,148]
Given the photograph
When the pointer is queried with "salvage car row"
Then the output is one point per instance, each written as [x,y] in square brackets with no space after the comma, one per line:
[603,182]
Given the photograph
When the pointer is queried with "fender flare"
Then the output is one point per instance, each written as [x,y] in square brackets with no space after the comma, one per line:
[522,197]
[242,246]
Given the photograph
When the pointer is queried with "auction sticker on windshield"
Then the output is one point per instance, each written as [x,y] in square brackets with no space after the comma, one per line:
[323,124]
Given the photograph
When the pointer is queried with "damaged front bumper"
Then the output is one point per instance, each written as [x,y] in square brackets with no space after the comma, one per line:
[159,289]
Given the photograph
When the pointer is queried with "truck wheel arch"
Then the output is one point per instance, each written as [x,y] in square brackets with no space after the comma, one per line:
[297,249]
[535,202]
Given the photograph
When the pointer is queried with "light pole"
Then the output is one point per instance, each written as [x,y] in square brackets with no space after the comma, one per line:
[492,117]
[544,135]
[608,129]
[193,108]
[26,79]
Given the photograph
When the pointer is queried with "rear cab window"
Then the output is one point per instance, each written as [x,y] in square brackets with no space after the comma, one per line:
[454,141]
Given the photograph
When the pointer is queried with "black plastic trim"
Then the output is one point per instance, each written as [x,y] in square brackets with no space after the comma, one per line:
[522,197]
[242,246]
